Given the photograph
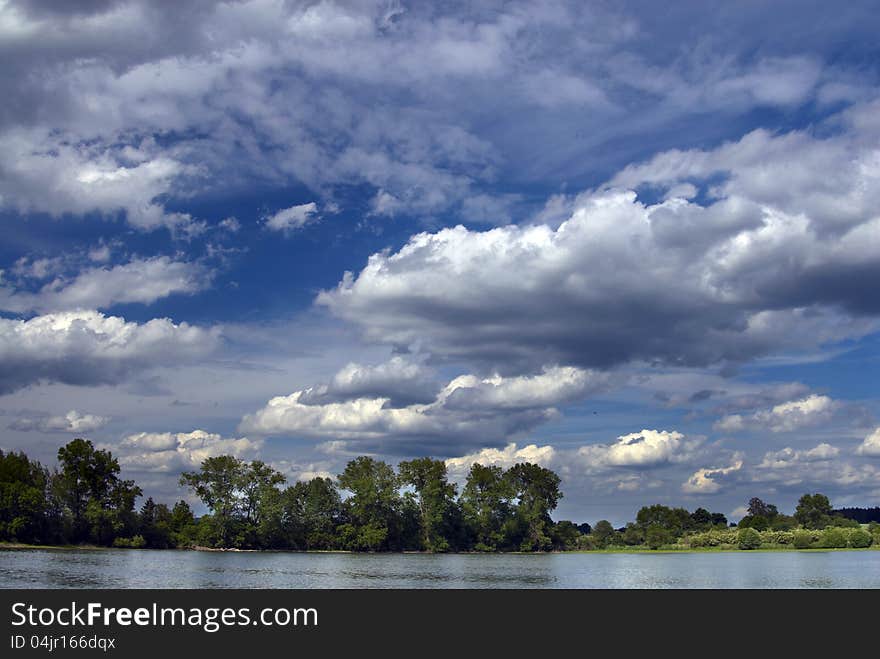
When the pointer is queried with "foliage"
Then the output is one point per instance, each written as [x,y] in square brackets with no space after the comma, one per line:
[782,538]
[603,533]
[860,538]
[813,511]
[804,539]
[834,538]
[436,501]
[537,491]
[656,536]
[137,542]
[412,508]
[748,538]
[487,506]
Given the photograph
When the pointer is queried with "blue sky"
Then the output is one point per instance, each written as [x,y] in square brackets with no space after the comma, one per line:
[639,246]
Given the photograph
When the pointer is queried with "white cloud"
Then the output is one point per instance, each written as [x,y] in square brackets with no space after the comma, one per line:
[871,445]
[784,417]
[467,408]
[705,481]
[168,452]
[504,458]
[293,218]
[140,280]
[88,348]
[647,448]
[42,175]
[788,456]
[756,270]
[72,422]
[819,466]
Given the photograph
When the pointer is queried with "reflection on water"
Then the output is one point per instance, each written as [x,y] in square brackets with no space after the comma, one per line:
[125,568]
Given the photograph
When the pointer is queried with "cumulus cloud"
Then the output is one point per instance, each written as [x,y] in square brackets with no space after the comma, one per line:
[644,449]
[756,269]
[89,348]
[784,417]
[504,458]
[87,83]
[788,456]
[821,465]
[72,422]
[140,281]
[400,381]
[466,409]
[168,452]
[39,174]
[293,218]
[708,481]
[871,445]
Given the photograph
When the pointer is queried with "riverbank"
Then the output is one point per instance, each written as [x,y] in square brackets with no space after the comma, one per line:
[609,550]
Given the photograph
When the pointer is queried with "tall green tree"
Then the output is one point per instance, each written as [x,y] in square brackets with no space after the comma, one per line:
[813,511]
[101,506]
[373,509]
[538,493]
[29,511]
[218,484]
[436,500]
[315,508]
[487,506]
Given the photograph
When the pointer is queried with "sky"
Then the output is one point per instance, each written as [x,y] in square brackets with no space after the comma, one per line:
[638,245]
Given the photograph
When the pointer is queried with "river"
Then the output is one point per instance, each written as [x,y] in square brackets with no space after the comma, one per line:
[68,568]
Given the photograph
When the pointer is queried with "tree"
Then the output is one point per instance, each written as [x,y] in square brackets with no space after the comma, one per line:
[674,520]
[603,533]
[565,535]
[757,507]
[28,510]
[813,511]
[487,506]
[319,506]
[748,538]
[537,490]
[435,500]
[373,509]
[101,505]
[261,503]
[218,484]
[657,535]
[86,475]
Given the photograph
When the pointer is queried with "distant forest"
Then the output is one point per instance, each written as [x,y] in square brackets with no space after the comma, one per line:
[413,508]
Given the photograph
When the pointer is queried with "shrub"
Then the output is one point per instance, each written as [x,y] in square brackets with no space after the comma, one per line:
[656,536]
[777,537]
[137,542]
[586,543]
[748,538]
[803,540]
[860,538]
[834,538]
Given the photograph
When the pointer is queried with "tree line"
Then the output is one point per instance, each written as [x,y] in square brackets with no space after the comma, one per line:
[412,508]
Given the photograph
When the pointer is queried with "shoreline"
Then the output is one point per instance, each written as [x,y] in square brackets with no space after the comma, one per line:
[21,546]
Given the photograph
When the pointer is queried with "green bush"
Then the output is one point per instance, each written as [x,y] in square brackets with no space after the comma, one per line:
[803,539]
[586,543]
[860,538]
[834,538]
[656,536]
[748,538]
[137,542]
[713,538]
[777,537]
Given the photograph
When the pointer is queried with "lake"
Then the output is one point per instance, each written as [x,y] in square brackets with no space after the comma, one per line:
[65,568]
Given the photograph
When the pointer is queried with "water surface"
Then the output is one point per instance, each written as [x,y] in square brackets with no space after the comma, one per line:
[121,568]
